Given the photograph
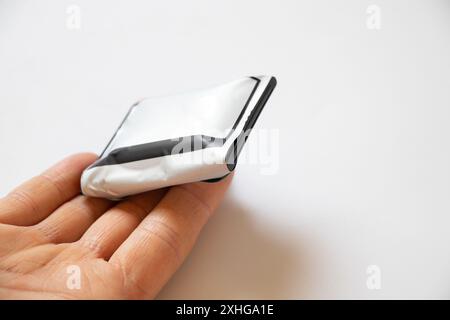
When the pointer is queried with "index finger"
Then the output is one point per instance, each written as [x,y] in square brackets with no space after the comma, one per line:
[35,199]
[164,238]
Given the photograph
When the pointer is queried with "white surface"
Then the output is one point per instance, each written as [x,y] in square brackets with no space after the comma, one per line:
[363,118]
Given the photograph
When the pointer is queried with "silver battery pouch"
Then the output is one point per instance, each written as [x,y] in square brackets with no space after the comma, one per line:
[176,139]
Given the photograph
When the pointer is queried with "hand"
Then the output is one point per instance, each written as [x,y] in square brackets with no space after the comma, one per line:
[58,244]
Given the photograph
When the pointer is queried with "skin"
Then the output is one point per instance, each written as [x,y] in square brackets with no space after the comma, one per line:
[50,233]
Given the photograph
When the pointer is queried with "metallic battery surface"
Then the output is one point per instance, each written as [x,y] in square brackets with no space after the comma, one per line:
[177,139]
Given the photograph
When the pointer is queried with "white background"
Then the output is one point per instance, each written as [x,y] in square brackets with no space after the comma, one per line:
[363,119]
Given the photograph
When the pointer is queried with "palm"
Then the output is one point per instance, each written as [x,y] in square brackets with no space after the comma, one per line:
[57,244]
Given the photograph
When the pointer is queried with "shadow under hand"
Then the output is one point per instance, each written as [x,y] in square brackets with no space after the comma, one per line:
[235,259]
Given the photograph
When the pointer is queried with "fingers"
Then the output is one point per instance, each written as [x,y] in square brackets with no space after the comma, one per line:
[37,198]
[112,228]
[72,219]
[165,237]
